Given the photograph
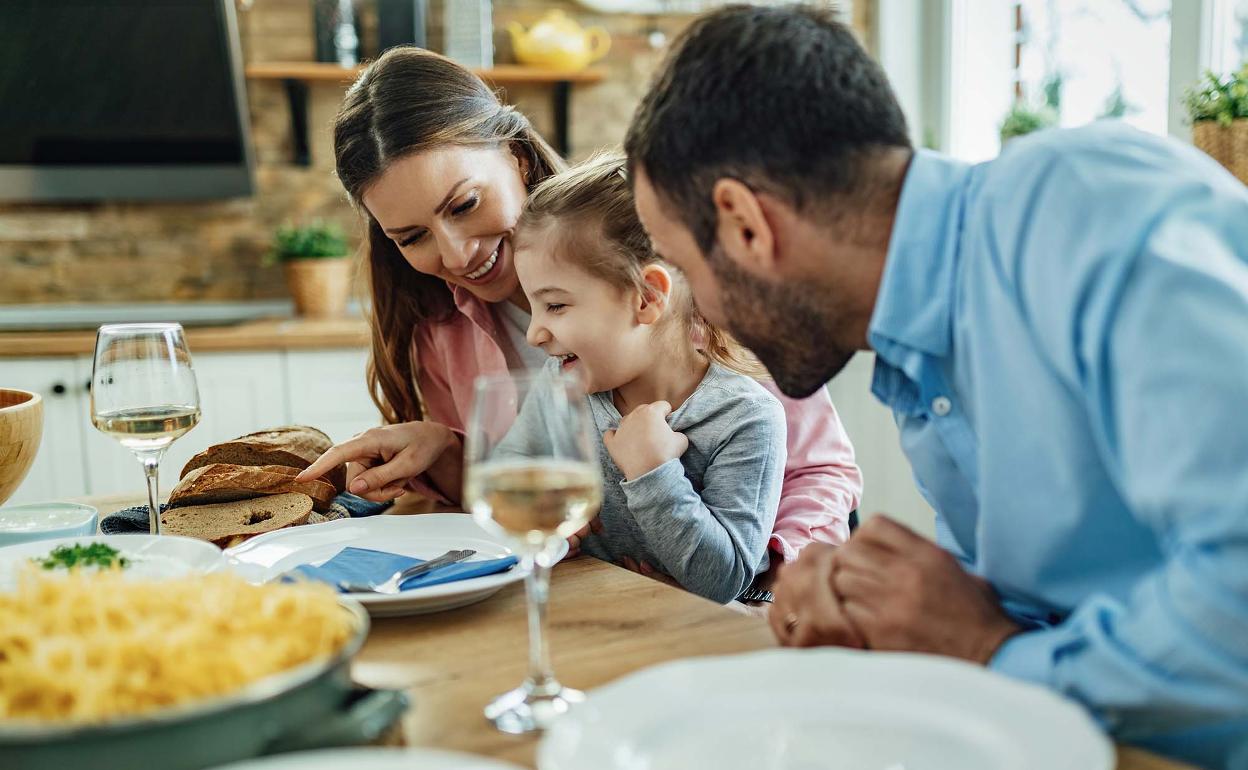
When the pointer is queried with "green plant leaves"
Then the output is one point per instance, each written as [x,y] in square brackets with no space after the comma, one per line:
[1217,98]
[316,240]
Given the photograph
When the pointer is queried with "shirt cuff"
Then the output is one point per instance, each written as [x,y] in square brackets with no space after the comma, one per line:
[654,485]
[1026,656]
[781,547]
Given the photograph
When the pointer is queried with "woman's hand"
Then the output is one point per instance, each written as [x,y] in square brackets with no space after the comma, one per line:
[644,568]
[390,457]
[574,540]
[644,440]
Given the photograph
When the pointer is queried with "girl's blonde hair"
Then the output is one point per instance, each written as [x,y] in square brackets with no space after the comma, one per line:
[592,203]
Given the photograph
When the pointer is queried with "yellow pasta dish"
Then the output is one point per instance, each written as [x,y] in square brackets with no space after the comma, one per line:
[87,647]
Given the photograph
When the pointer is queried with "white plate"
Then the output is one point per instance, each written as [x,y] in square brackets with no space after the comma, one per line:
[44,521]
[151,556]
[421,536]
[373,759]
[828,709]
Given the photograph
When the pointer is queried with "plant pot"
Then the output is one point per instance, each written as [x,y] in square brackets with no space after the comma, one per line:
[319,286]
[1227,145]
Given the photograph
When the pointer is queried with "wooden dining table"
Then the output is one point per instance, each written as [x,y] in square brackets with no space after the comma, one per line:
[605,623]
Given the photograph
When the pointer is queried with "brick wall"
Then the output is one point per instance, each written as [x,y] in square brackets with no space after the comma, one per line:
[113,252]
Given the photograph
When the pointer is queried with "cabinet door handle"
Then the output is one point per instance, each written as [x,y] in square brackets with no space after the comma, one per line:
[86,386]
[59,389]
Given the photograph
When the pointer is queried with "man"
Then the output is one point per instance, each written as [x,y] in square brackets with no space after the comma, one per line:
[1062,335]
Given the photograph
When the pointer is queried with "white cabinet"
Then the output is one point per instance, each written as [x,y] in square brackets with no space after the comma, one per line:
[239,393]
[328,391]
[59,470]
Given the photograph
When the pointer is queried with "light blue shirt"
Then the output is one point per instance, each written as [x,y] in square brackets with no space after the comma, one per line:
[1062,335]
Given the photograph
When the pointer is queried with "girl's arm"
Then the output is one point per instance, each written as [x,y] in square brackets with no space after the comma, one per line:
[713,543]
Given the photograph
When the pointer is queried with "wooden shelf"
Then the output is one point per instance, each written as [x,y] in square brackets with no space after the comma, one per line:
[296,76]
[503,75]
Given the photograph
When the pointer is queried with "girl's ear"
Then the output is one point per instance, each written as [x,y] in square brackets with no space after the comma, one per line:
[655,294]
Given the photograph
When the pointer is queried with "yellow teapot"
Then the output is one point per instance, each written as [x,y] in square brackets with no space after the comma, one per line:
[559,43]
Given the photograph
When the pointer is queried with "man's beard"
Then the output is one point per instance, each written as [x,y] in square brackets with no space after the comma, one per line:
[792,329]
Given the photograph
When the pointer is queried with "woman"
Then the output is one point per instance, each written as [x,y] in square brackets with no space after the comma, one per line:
[440,169]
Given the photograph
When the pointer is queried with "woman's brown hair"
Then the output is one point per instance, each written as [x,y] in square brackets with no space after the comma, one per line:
[408,101]
[591,204]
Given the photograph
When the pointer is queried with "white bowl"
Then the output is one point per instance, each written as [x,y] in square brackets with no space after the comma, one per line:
[43,521]
[151,557]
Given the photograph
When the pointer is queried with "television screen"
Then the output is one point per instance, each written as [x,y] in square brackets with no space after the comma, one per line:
[121,99]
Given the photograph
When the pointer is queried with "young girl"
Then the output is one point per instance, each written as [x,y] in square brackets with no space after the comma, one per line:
[692,450]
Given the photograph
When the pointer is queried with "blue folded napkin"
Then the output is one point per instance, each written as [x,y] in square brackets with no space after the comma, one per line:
[363,565]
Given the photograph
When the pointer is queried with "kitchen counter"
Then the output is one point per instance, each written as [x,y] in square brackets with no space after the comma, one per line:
[264,334]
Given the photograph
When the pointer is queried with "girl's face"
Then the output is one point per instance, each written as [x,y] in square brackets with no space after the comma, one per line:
[452,211]
[593,326]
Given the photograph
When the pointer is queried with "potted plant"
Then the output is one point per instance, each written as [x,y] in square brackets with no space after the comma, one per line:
[318,270]
[1218,109]
[1023,119]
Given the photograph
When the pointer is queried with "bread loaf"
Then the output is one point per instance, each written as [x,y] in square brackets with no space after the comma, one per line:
[295,446]
[224,483]
[225,523]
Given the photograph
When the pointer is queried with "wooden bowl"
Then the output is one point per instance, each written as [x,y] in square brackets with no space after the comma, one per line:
[21,428]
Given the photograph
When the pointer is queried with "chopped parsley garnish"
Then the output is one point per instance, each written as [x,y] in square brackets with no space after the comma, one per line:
[93,555]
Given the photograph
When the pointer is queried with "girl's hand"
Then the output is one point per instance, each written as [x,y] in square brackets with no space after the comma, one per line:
[644,440]
[389,457]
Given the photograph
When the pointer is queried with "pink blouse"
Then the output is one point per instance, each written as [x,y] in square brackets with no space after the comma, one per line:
[822,484]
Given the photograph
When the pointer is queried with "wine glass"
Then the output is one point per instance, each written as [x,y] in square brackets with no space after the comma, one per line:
[143,394]
[532,473]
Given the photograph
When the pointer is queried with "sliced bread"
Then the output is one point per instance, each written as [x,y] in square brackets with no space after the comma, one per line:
[222,522]
[295,446]
[224,483]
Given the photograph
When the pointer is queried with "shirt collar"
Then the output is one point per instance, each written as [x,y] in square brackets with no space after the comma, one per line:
[477,309]
[913,307]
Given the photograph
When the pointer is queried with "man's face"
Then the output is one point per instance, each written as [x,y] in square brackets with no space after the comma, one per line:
[791,324]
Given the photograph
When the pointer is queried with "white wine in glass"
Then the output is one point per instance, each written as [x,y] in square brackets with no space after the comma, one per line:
[532,500]
[532,474]
[144,395]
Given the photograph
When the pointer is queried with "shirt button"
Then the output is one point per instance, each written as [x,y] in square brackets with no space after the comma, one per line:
[941,406]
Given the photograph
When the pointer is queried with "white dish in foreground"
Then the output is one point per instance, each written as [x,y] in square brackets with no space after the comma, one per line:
[828,709]
[150,556]
[420,536]
[373,759]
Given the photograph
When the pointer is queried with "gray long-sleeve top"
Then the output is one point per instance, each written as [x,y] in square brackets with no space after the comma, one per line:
[704,519]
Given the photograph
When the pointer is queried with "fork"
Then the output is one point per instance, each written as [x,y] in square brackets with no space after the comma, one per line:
[391,584]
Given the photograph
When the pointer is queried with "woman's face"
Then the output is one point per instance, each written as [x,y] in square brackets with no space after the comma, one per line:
[452,211]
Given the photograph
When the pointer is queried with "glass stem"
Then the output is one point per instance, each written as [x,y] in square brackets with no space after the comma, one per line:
[151,468]
[537,586]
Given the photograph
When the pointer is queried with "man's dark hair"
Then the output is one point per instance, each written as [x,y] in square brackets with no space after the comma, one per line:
[783,99]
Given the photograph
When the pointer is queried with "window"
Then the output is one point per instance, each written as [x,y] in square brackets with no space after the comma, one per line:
[1091,59]
[1230,35]
[1071,62]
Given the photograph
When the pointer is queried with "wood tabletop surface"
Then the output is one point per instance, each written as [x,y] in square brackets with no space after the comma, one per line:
[605,623]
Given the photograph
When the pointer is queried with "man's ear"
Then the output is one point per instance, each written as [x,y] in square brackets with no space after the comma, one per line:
[742,228]
[655,294]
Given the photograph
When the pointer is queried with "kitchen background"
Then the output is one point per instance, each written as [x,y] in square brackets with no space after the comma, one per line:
[970,73]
